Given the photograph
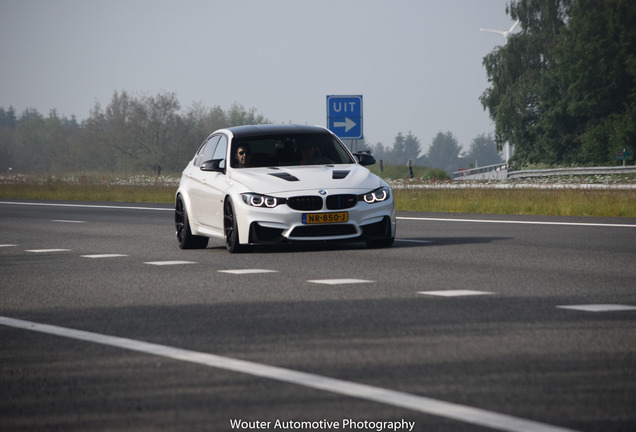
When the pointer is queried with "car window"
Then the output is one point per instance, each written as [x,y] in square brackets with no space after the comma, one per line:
[294,149]
[221,151]
[197,156]
[206,151]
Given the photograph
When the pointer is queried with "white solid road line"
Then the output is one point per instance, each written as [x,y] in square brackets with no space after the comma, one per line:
[86,206]
[588,224]
[377,394]
[398,217]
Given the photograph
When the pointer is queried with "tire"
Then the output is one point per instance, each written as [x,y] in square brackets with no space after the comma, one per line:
[230,227]
[184,236]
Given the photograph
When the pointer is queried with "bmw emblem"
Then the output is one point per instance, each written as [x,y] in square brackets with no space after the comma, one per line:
[322,192]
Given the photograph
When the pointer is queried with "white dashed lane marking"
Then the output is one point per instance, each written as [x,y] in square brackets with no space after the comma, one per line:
[47,250]
[455,293]
[68,221]
[440,293]
[339,281]
[103,256]
[247,271]
[599,307]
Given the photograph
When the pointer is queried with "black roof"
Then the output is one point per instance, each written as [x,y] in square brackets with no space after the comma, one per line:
[275,129]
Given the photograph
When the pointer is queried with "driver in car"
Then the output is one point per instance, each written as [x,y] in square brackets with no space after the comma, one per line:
[243,155]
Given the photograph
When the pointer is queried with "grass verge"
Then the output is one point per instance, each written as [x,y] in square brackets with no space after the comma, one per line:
[561,202]
[90,192]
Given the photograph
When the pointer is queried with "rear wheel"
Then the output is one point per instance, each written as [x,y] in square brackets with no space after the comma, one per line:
[184,236]
[230,226]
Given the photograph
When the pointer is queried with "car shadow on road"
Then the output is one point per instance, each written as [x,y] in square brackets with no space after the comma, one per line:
[400,243]
[305,247]
[443,241]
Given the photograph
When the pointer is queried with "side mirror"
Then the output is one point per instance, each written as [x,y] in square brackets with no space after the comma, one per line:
[213,165]
[365,158]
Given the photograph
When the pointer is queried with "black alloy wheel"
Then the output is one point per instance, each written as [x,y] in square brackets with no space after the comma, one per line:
[184,236]
[230,227]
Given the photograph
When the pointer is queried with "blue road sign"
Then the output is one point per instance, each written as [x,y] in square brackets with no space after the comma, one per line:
[344,116]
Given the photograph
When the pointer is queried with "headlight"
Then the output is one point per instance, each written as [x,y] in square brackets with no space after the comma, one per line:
[378,195]
[258,200]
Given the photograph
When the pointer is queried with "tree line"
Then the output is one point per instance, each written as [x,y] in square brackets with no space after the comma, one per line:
[563,90]
[445,152]
[134,133]
[140,133]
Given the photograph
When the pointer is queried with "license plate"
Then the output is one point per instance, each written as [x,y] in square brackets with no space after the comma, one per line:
[324,218]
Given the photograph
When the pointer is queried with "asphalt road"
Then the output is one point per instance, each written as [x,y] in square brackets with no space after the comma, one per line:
[465,324]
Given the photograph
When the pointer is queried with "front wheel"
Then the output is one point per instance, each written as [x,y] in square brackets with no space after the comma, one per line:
[230,226]
[185,238]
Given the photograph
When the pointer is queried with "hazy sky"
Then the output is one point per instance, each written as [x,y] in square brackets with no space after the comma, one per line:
[417,63]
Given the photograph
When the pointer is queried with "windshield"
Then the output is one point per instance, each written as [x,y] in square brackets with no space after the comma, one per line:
[300,149]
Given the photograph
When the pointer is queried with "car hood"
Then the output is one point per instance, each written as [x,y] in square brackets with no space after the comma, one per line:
[283,180]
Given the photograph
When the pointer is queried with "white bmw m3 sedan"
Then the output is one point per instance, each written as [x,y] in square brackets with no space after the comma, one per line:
[268,184]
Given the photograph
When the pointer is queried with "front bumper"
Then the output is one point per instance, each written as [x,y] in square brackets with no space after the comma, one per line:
[283,224]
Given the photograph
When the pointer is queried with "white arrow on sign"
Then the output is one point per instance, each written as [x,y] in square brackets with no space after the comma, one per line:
[348,124]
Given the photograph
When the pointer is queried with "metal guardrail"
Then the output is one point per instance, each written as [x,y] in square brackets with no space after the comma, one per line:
[500,172]
[489,172]
[572,172]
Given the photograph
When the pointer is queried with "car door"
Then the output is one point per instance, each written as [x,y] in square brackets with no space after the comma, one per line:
[217,186]
[212,186]
[199,196]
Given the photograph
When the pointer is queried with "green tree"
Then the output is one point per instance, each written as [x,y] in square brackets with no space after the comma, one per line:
[237,115]
[444,152]
[8,122]
[54,148]
[92,142]
[516,99]
[160,120]
[120,129]
[404,148]
[133,133]
[597,69]
[143,129]
[483,151]
[380,152]
[563,90]
[30,142]
[398,153]
[412,147]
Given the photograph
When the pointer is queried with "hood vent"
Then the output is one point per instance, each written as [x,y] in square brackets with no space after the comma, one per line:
[284,176]
[339,175]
